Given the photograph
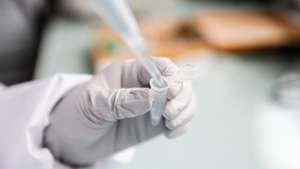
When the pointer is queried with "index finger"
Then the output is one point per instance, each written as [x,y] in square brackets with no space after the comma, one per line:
[165,66]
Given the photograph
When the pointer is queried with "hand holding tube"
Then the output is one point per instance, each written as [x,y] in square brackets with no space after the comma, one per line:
[111,113]
[184,73]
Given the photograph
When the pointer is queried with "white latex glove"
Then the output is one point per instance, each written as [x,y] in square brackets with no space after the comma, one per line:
[111,113]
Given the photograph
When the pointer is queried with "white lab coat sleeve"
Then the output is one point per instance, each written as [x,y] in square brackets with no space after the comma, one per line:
[24,114]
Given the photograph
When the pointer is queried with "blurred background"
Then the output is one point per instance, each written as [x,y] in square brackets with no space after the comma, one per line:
[248,91]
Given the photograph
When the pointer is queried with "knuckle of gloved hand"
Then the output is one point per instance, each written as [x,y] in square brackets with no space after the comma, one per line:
[166,66]
[171,111]
[174,89]
[180,121]
[176,106]
[133,102]
[119,109]
[179,88]
[173,124]
[176,133]
[170,125]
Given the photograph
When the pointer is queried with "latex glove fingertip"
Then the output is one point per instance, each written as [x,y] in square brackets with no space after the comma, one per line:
[171,134]
[174,89]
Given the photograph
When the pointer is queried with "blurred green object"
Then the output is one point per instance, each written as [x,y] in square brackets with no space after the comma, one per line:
[111,46]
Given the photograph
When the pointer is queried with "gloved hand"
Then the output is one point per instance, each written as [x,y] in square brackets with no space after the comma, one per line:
[111,113]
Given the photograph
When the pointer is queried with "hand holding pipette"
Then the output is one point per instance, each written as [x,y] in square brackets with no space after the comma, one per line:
[118,15]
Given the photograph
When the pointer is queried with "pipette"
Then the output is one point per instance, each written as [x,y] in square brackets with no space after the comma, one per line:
[118,15]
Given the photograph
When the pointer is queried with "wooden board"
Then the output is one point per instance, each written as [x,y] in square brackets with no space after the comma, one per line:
[165,38]
[237,30]
[222,30]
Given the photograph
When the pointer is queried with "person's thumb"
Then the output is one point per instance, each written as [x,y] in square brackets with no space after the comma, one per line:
[131,102]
